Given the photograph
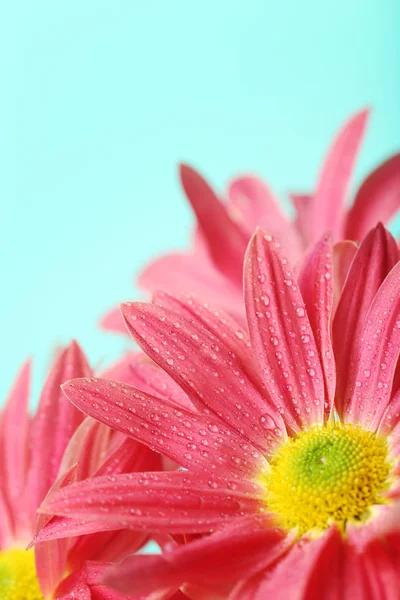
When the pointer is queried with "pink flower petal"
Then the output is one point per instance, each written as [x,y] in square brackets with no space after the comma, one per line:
[281,335]
[175,502]
[225,239]
[177,273]
[378,199]
[113,321]
[6,523]
[315,282]
[14,450]
[311,571]
[304,220]
[55,422]
[224,557]
[257,207]
[343,255]
[194,441]
[374,259]
[180,345]
[51,557]
[143,374]
[329,197]
[370,378]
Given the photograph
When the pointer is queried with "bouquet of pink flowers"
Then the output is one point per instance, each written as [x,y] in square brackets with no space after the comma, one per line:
[253,438]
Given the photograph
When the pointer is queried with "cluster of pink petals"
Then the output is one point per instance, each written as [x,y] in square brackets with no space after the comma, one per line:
[53,449]
[213,268]
[230,397]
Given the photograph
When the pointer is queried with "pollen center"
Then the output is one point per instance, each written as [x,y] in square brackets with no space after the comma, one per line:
[18,580]
[326,475]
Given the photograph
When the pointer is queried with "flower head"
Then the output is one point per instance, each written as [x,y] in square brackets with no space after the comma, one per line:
[213,267]
[51,450]
[291,447]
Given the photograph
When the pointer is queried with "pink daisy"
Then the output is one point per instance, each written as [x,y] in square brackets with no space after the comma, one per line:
[213,267]
[290,455]
[54,448]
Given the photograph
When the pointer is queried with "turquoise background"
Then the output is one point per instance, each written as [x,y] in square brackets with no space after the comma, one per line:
[100,99]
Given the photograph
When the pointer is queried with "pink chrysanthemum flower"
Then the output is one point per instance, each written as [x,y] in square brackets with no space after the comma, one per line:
[54,448]
[291,449]
[213,267]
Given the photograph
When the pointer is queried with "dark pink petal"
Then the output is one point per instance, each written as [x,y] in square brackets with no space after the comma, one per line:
[14,447]
[82,585]
[304,205]
[315,282]
[281,335]
[371,377]
[343,255]
[198,442]
[390,423]
[54,423]
[225,238]
[328,199]
[378,199]
[224,557]
[175,502]
[381,568]
[311,571]
[257,207]
[212,371]
[113,321]
[105,546]
[376,256]
[177,273]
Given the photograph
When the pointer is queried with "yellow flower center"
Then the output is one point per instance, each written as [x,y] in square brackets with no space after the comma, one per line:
[18,579]
[325,475]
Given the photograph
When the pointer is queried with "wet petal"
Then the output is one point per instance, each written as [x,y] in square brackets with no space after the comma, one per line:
[377,352]
[179,502]
[376,256]
[216,373]
[343,255]
[198,442]
[224,557]
[315,282]
[54,423]
[281,335]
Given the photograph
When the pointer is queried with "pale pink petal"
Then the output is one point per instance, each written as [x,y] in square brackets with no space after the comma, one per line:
[208,369]
[54,423]
[374,259]
[316,286]
[51,557]
[281,335]
[82,585]
[113,321]
[177,273]
[224,557]
[193,440]
[303,204]
[343,255]
[145,375]
[14,448]
[370,378]
[6,523]
[334,179]
[390,423]
[87,447]
[175,502]
[378,199]
[257,207]
[226,240]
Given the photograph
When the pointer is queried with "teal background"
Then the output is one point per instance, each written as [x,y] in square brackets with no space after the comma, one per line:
[100,99]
